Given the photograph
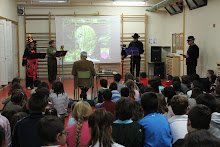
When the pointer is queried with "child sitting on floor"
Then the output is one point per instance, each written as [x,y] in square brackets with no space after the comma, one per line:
[15,80]
[100,124]
[17,101]
[104,85]
[59,99]
[72,120]
[15,86]
[117,79]
[36,83]
[108,105]
[133,94]
[79,134]
[143,79]
[169,81]
[51,131]
[115,94]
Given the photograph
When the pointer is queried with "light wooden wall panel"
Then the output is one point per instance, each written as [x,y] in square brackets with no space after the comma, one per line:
[42,29]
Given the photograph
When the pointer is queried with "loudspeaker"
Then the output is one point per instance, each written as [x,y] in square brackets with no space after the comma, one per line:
[155,54]
[159,69]
[20,10]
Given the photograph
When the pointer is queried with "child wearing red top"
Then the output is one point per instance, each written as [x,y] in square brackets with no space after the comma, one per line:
[144,79]
[108,105]
[169,81]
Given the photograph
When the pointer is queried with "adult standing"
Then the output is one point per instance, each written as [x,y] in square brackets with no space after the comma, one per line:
[136,59]
[30,63]
[52,62]
[192,56]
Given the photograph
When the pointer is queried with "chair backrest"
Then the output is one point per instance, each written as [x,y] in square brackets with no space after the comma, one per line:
[84,74]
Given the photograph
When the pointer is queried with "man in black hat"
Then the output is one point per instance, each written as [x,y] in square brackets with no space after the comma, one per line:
[135,60]
[192,56]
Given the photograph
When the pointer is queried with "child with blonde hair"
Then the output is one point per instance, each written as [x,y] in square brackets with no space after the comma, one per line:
[79,134]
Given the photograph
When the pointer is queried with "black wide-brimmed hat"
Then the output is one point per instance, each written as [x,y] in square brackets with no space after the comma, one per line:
[136,35]
[191,38]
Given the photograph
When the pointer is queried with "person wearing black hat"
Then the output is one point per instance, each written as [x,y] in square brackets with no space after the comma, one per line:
[31,64]
[135,60]
[192,56]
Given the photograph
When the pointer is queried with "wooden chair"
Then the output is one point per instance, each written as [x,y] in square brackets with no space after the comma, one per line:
[83,75]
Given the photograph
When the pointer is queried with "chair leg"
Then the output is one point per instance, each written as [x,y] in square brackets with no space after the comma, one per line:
[78,95]
[92,94]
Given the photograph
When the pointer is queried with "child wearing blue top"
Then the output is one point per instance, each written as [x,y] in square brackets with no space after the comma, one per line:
[157,129]
[115,94]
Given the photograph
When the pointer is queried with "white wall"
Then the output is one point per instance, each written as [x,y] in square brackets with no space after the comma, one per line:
[160,25]
[155,21]
[8,9]
[199,23]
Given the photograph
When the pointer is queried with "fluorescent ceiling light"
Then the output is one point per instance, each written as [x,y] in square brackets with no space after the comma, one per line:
[129,3]
[51,1]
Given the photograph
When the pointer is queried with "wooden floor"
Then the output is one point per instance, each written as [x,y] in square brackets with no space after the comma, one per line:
[68,86]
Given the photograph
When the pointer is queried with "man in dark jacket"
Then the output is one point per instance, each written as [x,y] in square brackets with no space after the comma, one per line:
[25,131]
[135,60]
[192,56]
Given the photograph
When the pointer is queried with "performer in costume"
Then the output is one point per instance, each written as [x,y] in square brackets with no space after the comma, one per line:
[31,64]
[52,62]
[135,60]
[192,56]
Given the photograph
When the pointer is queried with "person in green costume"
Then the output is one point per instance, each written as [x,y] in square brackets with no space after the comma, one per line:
[52,62]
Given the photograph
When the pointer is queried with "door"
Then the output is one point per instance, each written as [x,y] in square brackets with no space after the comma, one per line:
[3,59]
[9,50]
[15,50]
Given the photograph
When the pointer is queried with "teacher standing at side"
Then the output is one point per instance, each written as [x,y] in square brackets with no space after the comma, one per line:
[192,56]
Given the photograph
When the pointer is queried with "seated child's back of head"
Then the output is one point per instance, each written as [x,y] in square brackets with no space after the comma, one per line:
[179,104]
[107,94]
[51,131]
[37,103]
[117,78]
[123,109]
[113,86]
[18,96]
[43,84]
[169,78]
[59,88]
[143,75]
[15,80]
[125,92]
[199,117]
[36,83]
[104,83]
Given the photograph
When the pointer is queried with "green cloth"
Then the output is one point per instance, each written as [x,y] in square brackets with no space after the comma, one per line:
[6,100]
[51,51]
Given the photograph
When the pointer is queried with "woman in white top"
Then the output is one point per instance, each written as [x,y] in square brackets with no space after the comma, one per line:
[59,98]
[100,124]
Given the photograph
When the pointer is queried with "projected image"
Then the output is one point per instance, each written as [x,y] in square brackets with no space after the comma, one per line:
[98,36]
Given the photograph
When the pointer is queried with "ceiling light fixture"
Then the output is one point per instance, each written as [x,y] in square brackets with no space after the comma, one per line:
[129,3]
[50,1]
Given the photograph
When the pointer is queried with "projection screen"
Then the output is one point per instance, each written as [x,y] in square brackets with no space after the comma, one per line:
[99,36]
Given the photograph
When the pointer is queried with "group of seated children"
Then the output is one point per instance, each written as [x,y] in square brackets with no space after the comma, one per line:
[182,112]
